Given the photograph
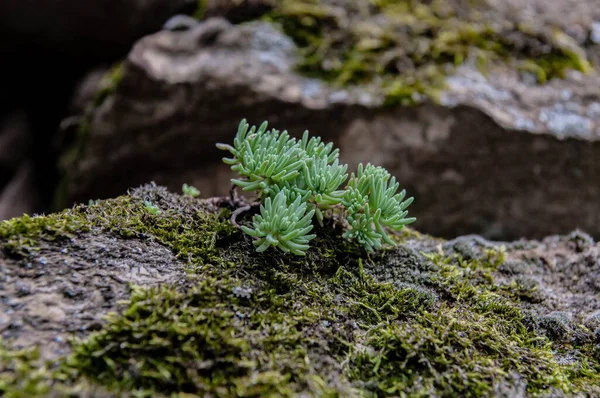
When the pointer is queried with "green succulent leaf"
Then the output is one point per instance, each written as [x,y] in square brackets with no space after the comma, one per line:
[263,158]
[283,226]
[190,190]
[314,148]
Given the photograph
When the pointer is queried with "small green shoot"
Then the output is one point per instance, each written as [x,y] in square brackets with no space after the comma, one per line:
[151,209]
[190,191]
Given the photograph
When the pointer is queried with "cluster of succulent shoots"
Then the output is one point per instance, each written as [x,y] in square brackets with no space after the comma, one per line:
[297,180]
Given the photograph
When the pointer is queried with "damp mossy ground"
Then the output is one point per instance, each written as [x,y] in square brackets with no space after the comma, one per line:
[337,322]
[405,49]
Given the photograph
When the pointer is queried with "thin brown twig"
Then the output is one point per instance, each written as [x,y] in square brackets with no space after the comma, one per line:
[237,212]
[240,205]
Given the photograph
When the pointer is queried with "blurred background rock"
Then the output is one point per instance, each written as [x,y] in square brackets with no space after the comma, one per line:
[488,112]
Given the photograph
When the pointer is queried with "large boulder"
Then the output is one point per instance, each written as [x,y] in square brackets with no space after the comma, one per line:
[177,301]
[222,74]
[505,149]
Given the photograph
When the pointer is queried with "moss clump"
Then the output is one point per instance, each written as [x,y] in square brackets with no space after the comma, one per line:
[20,375]
[21,236]
[451,352]
[550,338]
[23,374]
[337,322]
[218,338]
[186,227]
[404,49]
[127,216]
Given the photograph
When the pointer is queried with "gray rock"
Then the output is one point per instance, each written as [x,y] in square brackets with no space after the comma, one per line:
[496,156]
[180,22]
[18,193]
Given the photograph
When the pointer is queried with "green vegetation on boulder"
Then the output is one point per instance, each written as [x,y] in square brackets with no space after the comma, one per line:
[425,318]
[404,49]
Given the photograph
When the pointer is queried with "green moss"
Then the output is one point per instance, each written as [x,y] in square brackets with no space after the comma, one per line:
[454,352]
[23,374]
[212,339]
[405,49]
[523,289]
[546,337]
[530,66]
[194,237]
[371,302]
[108,84]
[200,9]
[127,217]
[337,322]
[20,374]
[21,236]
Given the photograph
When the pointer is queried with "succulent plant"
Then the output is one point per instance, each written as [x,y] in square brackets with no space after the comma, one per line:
[361,219]
[189,190]
[285,226]
[299,179]
[315,148]
[373,202]
[321,181]
[264,158]
[151,208]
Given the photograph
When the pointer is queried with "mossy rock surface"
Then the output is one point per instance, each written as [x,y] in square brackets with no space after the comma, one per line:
[404,50]
[195,311]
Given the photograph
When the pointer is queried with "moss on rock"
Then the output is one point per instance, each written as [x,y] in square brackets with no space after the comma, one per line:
[19,377]
[20,235]
[404,49]
[426,318]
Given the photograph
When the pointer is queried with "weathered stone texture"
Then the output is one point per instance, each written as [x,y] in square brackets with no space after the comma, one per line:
[499,154]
